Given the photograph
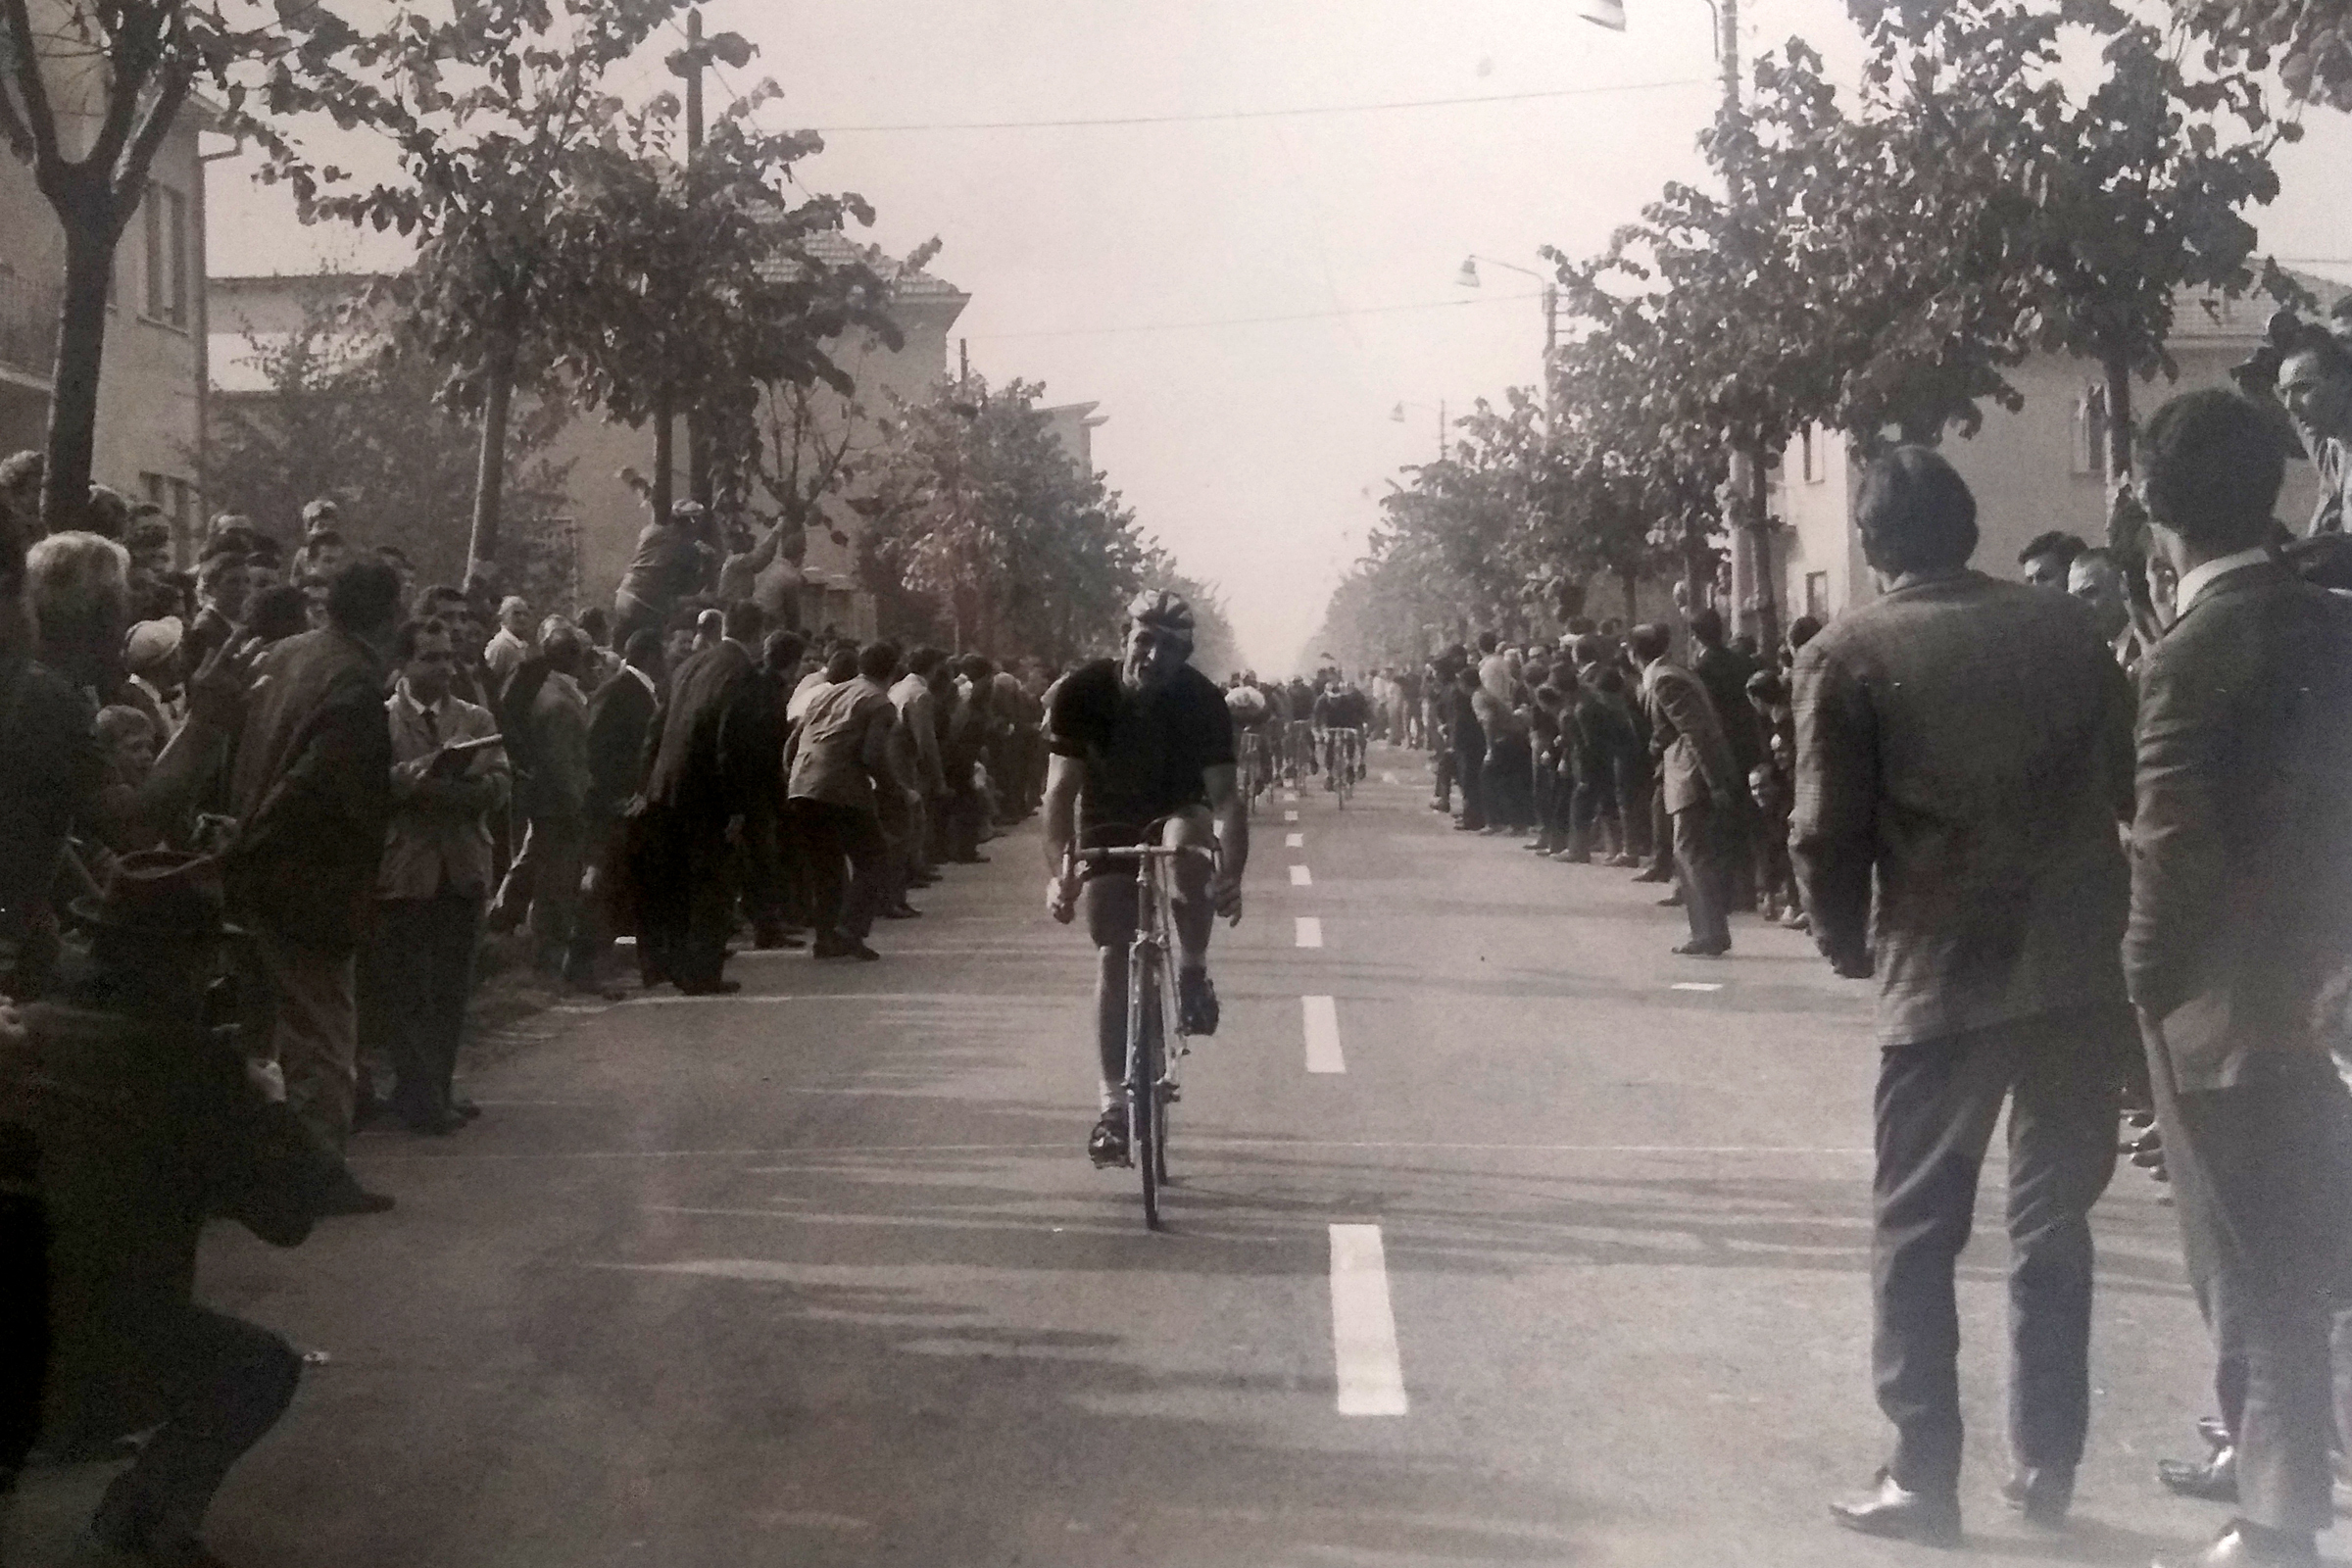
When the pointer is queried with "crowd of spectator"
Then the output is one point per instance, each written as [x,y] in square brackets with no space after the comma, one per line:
[261,821]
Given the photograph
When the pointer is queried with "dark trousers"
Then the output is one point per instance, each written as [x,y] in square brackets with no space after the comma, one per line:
[1938,1102]
[1443,769]
[684,882]
[849,870]
[545,881]
[1469,770]
[1509,783]
[1593,811]
[2260,1183]
[421,974]
[1706,881]
[225,1383]
[1661,833]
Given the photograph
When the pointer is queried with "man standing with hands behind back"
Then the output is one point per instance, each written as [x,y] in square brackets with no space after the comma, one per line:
[2241,855]
[1964,745]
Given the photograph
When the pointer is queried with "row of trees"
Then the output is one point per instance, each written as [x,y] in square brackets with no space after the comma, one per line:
[576,253]
[982,526]
[1873,263]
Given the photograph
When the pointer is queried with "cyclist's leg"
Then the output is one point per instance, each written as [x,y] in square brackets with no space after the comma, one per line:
[1196,918]
[1109,904]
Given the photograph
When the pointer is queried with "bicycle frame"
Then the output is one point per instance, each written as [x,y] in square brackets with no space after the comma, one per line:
[1155,1045]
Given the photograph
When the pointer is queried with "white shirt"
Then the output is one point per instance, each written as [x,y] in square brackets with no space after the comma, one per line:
[2194,580]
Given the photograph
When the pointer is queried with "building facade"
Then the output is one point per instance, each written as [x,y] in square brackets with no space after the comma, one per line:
[2030,472]
[151,382]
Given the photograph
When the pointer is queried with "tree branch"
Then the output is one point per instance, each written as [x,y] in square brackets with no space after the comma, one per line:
[39,120]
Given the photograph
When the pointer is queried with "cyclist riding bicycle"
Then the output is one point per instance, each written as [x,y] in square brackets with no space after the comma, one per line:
[1137,740]
[1339,708]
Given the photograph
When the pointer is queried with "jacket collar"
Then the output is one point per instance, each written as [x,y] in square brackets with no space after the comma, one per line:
[2200,583]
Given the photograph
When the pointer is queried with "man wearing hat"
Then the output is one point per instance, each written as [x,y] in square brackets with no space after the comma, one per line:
[152,672]
[146,1123]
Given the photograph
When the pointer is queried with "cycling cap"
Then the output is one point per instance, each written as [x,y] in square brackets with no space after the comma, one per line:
[1159,609]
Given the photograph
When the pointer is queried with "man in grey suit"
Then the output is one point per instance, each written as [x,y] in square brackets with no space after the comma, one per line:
[1963,746]
[1700,783]
[2237,955]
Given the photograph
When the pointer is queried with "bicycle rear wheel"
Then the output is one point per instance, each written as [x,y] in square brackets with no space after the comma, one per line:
[1144,1113]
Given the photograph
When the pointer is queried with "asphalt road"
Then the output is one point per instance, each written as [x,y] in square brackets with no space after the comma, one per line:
[1565,1263]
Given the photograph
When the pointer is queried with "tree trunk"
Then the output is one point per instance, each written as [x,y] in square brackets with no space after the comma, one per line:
[2119,417]
[666,455]
[73,376]
[698,463]
[1632,603]
[490,460]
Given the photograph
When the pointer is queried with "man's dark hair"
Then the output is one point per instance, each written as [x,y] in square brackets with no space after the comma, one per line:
[365,597]
[1802,630]
[412,630]
[2065,545]
[745,621]
[1488,642]
[597,623]
[976,667]
[2213,471]
[783,650]
[1914,513]
[428,600]
[1707,626]
[644,650]
[1648,641]
[279,613]
[923,660]
[878,661]
[1588,649]
[842,662]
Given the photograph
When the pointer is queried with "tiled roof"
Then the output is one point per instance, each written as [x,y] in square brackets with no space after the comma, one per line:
[835,248]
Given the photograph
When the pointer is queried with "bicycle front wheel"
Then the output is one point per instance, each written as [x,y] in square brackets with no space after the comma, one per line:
[1144,1113]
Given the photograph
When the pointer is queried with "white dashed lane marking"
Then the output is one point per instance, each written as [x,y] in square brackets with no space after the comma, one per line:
[1697,985]
[1321,1016]
[1290,815]
[1293,841]
[1302,877]
[1310,931]
[1363,1326]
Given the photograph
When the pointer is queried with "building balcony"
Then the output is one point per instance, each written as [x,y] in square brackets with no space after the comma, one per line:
[28,313]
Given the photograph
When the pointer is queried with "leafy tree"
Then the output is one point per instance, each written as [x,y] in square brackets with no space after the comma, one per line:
[973,505]
[352,417]
[493,106]
[694,284]
[118,72]
[2310,41]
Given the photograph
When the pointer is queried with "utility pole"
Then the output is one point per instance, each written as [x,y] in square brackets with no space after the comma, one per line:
[698,439]
[1754,606]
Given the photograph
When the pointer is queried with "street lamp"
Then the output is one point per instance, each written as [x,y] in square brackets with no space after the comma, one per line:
[1397,416]
[1467,278]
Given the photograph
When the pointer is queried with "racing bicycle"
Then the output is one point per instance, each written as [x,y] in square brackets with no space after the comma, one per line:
[1155,1037]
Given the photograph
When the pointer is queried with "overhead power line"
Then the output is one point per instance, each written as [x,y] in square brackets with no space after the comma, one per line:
[1217,115]
[1253,320]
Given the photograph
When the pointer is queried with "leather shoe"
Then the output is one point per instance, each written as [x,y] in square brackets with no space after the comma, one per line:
[2244,1545]
[1699,949]
[904,911]
[2213,1480]
[2215,1431]
[2043,1496]
[1897,1513]
[1656,877]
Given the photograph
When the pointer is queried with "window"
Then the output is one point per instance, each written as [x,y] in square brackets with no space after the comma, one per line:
[178,498]
[167,256]
[2090,430]
[1817,595]
[1810,457]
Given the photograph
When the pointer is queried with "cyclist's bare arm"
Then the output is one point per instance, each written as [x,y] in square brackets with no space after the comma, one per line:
[1232,814]
[1064,776]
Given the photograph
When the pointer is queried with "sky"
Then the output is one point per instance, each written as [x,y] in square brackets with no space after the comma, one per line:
[1250,299]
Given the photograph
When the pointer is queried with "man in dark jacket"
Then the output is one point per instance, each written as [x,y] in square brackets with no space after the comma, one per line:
[715,754]
[2238,951]
[310,785]
[146,1124]
[620,716]
[1962,766]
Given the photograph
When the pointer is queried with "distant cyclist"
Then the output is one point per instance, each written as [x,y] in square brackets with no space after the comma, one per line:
[1135,739]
